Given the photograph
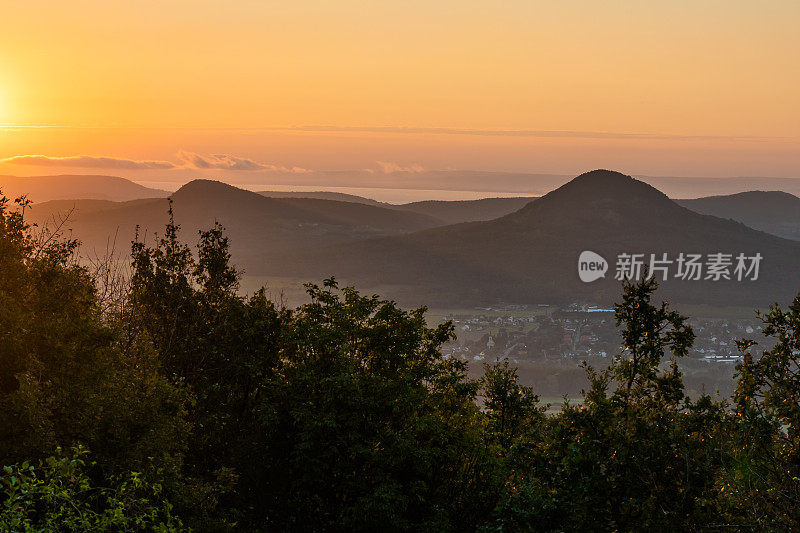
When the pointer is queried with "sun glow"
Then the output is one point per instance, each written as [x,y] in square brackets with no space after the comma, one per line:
[408,82]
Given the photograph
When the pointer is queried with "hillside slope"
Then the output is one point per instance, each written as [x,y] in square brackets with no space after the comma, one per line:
[457,211]
[72,186]
[531,255]
[774,212]
[261,229]
[323,195]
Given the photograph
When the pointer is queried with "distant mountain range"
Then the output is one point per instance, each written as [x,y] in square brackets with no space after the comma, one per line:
[531,255]
[322,195]
[775,212]
[520,250]
[771,211]
[72,187]
[454,212]
[262,229]
[445,211]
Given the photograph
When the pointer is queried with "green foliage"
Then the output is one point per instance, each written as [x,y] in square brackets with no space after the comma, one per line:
[58,495]
[371,427]
[635,458]
[67,376]
[762,481]
[342,412]
[511,409]
[649,332]
[344,415]
[222,347]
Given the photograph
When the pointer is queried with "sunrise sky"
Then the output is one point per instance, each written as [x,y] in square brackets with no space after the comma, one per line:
[165,90]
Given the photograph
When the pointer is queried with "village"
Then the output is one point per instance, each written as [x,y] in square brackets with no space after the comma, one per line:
[575,332]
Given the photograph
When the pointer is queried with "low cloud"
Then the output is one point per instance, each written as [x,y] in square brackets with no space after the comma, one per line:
[230,162]
[390,168]
[187,160]
[87,161]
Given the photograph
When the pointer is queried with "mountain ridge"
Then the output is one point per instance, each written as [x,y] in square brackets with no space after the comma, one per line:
[531,255]
[261,229]
[76,187]
[775,212]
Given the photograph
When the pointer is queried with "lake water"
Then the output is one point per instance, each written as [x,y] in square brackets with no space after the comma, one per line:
[392,196]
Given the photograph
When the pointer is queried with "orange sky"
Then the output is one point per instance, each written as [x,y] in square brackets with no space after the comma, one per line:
[700,87]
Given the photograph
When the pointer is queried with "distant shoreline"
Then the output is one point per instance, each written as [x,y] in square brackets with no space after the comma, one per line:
[674,187]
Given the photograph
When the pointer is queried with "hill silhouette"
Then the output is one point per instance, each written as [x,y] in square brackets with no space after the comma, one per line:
[261,229]
[527,256]
[775,212]
[531,255]
[445,211]
[456,211]
[74,186]
[323,195]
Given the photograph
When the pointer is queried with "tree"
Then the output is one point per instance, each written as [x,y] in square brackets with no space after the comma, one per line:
[638,457]
[58,494]
[222,347]
[763,477]
[66,377]
[511,408]
[341,412]
[373,428]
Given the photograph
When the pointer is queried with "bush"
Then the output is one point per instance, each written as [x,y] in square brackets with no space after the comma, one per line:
[58,495]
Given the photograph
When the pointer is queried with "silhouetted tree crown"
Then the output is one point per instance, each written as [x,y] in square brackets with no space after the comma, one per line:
[189,406]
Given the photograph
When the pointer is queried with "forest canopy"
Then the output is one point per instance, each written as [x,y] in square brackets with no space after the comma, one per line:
[170,402]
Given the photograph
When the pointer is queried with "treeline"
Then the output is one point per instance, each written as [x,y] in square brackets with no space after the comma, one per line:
[176,404]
